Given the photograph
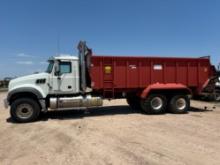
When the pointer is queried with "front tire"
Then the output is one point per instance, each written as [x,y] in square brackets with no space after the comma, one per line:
[179,104]
[24,110]
[154,104]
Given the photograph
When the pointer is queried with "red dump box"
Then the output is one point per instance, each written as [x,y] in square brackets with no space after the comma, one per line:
[112,75]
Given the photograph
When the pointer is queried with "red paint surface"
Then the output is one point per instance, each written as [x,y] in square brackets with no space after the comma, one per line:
[167,86]
[138,72]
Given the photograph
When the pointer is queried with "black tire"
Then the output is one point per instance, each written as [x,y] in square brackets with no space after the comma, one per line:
[179,104]
[134,102]
[24,110]
[148,105]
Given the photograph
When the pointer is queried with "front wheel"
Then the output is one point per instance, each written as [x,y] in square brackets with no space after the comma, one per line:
[154,104]
[25,110]
[179,104]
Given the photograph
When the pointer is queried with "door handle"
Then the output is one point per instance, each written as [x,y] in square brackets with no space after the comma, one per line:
[69,87]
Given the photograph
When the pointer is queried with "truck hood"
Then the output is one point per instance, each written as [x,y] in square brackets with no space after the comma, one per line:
[27,80]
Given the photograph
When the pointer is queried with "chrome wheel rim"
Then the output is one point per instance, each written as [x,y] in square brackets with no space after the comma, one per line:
[156,103]
[181,103]
[24,111]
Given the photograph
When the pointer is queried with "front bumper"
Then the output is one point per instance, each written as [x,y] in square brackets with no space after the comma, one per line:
[6,103]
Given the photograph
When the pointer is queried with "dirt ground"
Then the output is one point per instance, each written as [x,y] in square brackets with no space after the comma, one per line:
[113,134]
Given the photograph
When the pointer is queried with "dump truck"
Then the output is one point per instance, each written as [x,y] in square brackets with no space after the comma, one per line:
[152,85]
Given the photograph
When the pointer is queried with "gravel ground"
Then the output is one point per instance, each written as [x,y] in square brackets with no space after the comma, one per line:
[113,134]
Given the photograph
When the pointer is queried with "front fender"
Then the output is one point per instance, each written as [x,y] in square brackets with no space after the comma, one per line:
[37,91]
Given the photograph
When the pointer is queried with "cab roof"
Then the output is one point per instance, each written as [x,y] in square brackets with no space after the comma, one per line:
[63,58]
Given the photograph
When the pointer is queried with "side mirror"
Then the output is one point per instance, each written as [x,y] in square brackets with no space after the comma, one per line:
[56,71]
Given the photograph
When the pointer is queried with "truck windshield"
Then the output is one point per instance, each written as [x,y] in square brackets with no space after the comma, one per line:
[50,67]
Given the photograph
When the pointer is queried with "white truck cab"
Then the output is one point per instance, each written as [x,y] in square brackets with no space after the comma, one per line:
[62,86]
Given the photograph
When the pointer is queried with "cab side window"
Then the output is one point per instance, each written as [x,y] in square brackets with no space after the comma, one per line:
[65,67]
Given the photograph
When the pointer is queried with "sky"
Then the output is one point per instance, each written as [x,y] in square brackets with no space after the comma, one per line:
[31,31]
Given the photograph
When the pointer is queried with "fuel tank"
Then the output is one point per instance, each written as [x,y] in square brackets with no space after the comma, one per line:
[74,102]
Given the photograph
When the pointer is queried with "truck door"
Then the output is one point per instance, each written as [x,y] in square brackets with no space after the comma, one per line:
[64,81]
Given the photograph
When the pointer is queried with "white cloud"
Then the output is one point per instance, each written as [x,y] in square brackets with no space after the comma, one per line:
[25,62]
[24,55]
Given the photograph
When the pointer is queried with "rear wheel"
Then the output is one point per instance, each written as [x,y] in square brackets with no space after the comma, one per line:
[25,110]
[179,104]
[154,104]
